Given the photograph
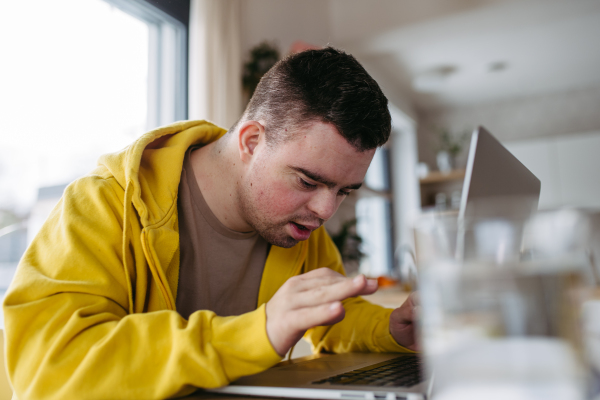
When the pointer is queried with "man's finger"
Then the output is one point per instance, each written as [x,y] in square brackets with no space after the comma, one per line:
[406,312]
[336,291]
[324,314]
[370,288]
[319,273]
[316,281]
[415,299]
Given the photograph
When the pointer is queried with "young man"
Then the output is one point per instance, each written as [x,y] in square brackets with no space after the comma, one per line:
[197,256]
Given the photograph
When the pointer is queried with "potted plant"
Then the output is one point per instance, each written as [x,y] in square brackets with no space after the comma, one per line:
[262,57]
[449,147]
[348,243]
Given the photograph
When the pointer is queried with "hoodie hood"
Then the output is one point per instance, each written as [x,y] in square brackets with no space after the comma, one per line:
[149,170]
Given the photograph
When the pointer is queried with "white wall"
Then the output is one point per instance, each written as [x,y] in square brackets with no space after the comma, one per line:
[360,20]
[284,22]
[568,167]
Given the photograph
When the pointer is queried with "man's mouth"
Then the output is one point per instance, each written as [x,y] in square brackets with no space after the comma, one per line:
[301,232]
[301,227]
[305,227]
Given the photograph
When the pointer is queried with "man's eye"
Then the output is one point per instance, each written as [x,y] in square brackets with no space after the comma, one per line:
[306,184]
[343,193]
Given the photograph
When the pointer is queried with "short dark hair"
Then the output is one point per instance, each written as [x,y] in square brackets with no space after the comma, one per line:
[325,85]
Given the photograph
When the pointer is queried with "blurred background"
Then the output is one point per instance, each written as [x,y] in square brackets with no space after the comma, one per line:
[80,78]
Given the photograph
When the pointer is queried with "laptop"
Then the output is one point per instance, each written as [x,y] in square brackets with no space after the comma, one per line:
[492,172]
[497,184]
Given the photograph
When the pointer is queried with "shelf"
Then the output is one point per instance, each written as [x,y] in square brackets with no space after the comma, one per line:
[440,213]
[436,184]
[439,177]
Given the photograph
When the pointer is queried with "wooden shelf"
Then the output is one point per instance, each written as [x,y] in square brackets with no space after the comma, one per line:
[439,177]
[437,183]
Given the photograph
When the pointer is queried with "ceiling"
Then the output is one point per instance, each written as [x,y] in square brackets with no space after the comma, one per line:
[472,51]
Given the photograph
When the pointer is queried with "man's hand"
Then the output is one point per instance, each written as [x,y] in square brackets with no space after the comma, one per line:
[310,300]
[402,323]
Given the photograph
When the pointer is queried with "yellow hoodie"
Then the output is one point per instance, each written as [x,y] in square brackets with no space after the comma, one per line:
[91,310]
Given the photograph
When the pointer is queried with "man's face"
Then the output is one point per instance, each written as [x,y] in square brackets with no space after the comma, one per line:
[290,189]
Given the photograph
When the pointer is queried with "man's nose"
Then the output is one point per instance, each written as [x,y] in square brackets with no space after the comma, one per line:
[324,204]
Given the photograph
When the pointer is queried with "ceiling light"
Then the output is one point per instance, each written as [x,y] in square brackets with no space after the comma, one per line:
[434,79]
[497,66]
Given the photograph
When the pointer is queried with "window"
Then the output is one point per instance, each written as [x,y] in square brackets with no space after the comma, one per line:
[167,57]
[387,209]
[374,218]
[79,78]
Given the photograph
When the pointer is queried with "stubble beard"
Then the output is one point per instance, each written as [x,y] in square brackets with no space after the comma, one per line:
[273,232]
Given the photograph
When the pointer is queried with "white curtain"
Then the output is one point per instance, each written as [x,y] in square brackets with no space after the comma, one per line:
[215,87]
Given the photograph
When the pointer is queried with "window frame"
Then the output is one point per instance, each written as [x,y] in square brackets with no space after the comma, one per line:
[167,57]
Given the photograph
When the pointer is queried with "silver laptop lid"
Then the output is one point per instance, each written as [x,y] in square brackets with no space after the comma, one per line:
[496,183]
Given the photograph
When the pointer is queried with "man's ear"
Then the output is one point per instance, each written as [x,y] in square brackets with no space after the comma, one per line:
[250,134]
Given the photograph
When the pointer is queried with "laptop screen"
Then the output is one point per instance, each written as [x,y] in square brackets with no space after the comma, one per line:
[496,183]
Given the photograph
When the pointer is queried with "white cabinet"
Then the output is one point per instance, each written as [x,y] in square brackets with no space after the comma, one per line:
[568,167]
[579,170]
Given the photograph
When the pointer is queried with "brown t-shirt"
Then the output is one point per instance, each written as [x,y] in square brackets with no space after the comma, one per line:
[220,269]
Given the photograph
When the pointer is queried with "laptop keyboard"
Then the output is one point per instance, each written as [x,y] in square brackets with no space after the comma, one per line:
[402,371]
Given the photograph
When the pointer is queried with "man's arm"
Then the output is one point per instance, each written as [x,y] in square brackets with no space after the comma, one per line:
[68,330]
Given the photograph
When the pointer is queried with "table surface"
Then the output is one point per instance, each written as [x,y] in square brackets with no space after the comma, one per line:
[391,297]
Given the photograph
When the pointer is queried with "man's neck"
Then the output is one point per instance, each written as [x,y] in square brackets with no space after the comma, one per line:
[218,169]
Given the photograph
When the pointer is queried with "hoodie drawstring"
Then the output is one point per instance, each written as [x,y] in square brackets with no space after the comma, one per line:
[127,207]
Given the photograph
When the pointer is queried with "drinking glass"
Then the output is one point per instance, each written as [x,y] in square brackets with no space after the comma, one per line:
[501,305]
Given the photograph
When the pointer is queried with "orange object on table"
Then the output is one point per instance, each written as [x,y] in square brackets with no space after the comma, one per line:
[386,281]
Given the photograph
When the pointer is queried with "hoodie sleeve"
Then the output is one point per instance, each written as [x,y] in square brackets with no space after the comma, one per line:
[365,328]
[69,334]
